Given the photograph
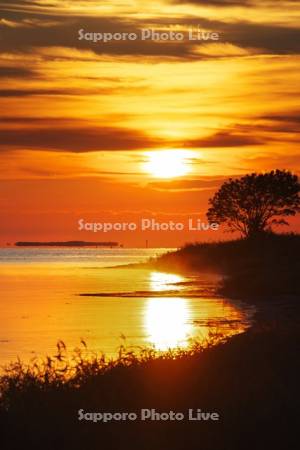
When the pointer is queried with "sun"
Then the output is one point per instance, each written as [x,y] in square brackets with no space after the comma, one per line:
[168,163]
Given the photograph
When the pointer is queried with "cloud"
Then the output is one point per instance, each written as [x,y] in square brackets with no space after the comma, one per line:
[256,131]
[224,49]
[55,92]
[224,139]
[272,39]
[25,3]
[64,32]
[290,117]
[270,124]
[16,72]
[77,138]
[223,3]
[269,161]
[239,37]
[198,184]
[234,3]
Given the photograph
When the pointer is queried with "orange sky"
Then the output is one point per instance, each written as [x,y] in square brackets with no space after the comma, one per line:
[132,129]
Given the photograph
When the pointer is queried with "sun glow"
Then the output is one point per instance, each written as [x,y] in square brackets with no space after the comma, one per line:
[168,163]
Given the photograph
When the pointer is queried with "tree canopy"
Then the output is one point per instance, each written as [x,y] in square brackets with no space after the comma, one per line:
[254,203]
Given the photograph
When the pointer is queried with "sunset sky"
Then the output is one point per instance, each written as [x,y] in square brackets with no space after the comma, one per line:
[129,129]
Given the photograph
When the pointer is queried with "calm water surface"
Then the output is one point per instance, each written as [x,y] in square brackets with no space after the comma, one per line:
[44,299]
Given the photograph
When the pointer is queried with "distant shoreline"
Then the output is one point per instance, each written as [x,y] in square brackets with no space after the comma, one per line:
[66,244]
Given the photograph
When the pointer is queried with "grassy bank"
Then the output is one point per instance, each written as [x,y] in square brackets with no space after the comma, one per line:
[251,381]
[261,267]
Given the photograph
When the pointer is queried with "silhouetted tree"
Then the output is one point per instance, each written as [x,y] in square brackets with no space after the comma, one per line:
[255,202]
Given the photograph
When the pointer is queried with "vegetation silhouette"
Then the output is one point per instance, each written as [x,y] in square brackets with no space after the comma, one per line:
[251,381]
[257,269]
[254,203]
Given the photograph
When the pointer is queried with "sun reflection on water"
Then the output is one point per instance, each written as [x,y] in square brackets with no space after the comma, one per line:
[166,322]
[160,281]
[167,318]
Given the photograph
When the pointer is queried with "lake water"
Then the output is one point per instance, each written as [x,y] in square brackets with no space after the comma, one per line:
[73,293]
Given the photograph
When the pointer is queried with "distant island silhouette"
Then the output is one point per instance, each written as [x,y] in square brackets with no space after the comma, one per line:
[66,244]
